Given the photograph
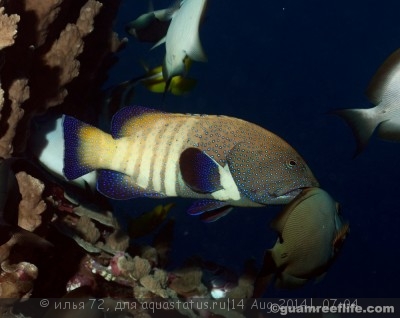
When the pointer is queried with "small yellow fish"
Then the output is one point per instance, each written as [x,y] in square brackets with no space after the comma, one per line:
[384,92]
[123,93]
[222,160]
[149,221]
[310,234]
[154,81]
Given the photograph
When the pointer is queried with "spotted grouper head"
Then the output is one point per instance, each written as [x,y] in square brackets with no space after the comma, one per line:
[272,173]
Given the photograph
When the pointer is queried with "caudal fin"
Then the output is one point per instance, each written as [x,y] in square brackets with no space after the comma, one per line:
[361,122]
[81,151]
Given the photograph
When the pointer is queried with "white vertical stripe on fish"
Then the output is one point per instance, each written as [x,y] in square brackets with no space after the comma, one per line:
[230,190]
[160,156]
[131,144]
[163,163]
[150,149]
[174,151]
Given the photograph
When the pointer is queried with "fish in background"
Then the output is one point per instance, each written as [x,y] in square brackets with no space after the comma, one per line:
[223,161]
[153,25]
[181,37]
[384,92]
[179,85]
[149,221]
[310,235]
[123,93]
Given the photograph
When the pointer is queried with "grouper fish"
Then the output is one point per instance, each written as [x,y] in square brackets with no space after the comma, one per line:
[221,160]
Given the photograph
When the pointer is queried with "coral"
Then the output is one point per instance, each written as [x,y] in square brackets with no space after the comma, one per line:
[87,229]
[245,286]
[244,289]
[156,283]
[46,12]
[151,254]
[140,268]
[83,277]
[187,282]
[65,50]
[8,26]
[31,205]
[117,241]
[18,93]
[54,53]
[16,280]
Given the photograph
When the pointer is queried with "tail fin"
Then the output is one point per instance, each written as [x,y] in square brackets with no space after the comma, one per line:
[361,122]
[81,151]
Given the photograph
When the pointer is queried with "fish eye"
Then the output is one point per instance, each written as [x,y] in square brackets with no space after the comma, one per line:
[291,163]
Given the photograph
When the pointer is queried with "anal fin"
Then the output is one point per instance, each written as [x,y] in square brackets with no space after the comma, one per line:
[119,186]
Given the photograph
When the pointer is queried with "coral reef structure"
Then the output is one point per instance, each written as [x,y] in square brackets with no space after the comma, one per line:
[53,53]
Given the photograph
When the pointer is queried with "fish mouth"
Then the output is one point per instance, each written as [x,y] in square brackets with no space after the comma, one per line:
[285,197]
[291,194]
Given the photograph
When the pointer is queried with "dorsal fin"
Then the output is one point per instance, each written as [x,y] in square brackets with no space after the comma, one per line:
[123,121]
[161,41]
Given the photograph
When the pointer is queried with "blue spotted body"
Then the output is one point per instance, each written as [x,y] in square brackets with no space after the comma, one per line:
[222,160]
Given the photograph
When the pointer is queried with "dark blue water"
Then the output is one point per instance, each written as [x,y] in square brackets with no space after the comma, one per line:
[284,65]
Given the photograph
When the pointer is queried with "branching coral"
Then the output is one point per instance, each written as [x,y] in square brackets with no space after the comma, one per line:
[8,26]
[50,52]
[31,205]
[65,50]
[53,53]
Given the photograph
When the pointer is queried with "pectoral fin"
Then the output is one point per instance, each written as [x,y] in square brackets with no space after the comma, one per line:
[199,171]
